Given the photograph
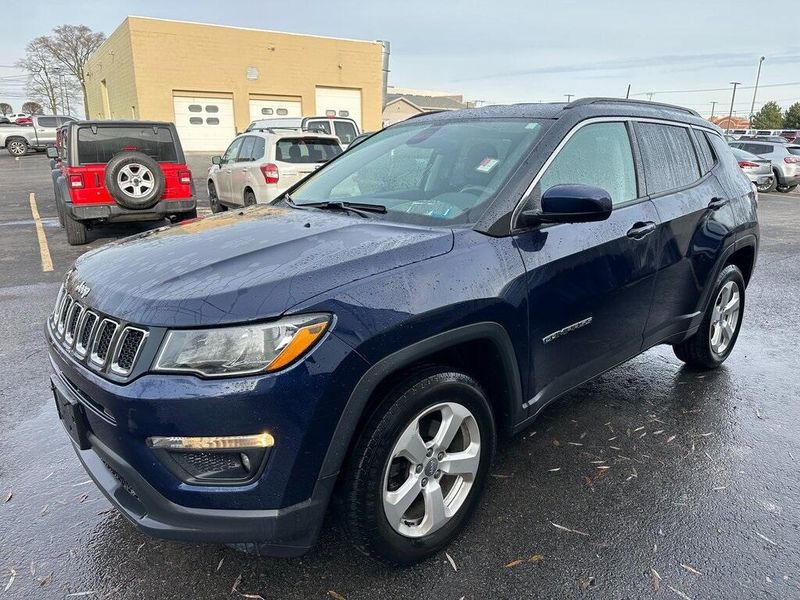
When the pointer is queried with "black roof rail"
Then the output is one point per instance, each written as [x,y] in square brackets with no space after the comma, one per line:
[430,112]
[585,101]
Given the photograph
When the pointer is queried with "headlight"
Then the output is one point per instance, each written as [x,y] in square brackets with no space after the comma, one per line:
[241,350]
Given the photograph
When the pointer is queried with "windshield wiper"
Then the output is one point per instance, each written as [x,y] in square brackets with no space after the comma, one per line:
[358,208]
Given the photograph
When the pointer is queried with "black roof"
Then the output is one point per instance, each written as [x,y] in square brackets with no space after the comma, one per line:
[582,108]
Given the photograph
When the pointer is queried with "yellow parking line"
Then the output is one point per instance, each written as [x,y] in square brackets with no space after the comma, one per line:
[44,250]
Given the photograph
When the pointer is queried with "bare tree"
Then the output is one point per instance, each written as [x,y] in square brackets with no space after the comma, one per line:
[5,108]
[32,108]
[71,46]
[43,82]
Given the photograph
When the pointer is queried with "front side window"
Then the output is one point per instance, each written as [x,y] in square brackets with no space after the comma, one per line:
[232,151]
[598,155]
[100,145]
[668,155]
[48,122]
[439,173]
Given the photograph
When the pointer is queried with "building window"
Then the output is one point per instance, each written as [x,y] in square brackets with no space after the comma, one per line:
[344,113]
[195,121]
[212,121]
[282,112]
[266,111]
[195,108]
[212,108]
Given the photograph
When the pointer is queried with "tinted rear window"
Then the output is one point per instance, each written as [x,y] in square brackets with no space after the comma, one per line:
[99,147]
[306,150]
[794,150]
[669,157]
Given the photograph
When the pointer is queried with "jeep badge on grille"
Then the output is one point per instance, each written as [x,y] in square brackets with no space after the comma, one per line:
[82,289]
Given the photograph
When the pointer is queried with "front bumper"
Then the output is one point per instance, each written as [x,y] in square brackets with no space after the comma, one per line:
[114,213]
[282,509]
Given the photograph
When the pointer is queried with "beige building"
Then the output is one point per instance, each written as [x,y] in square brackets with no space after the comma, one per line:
[212,80]
[402,103]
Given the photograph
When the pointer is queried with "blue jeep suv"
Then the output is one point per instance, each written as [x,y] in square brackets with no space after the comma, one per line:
[368,336]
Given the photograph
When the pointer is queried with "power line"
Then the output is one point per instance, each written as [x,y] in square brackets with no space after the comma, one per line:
[725,89]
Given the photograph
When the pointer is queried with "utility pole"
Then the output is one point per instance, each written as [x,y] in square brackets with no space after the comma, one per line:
[755,90]
[735,84]
[628,93]
[569,97]
[650,96]
[713,105]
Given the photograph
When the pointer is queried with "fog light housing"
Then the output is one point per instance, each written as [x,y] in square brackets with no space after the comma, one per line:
[214,460]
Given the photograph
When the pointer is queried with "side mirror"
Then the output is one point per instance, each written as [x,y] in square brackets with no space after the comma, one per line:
[570,203]
[216,160]
[52,152]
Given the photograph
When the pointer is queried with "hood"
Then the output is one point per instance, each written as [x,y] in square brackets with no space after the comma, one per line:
[244,265]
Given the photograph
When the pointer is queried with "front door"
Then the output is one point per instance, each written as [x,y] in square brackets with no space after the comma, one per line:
[590,285]
[225,171]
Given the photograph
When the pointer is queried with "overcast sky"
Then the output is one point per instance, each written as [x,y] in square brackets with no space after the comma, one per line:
[498,51]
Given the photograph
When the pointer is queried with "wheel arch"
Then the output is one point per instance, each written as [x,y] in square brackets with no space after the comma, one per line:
[462,348]
[743,257]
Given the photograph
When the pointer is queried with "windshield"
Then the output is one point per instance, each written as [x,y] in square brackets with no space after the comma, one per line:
[441,173]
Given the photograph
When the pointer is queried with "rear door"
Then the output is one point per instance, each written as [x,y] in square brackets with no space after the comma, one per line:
[245,171]
[695,219]
[45,128]
[589,284]
[297,157]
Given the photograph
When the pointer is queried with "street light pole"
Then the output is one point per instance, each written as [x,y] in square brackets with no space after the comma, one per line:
[735,84]
[569,97]
[713,105]
[755,90]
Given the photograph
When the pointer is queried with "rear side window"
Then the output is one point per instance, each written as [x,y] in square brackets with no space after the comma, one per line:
[258,148]
[246,151]
[707,158]
[48,122]
[598,155]
[100,145]
[319,127]
[306,150]
[345,131]
[668,155]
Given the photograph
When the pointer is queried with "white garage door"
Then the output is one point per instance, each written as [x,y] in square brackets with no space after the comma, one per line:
[204,124]
[268,109]
[346,103]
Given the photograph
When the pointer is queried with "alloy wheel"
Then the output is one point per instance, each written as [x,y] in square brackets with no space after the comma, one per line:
[724,317]
[136,180]
[431,469]
[16,148]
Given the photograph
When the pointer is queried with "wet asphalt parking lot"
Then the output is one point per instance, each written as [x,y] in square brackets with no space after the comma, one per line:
[651,481]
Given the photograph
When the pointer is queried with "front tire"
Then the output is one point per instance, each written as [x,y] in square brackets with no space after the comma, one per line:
[213,200]
[419,467]
[714,340]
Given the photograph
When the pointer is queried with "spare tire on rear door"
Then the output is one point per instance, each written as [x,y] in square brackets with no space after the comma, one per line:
[134,180]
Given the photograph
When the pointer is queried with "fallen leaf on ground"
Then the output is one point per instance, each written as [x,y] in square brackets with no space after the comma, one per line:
[680,593]
[671,438]
[586,582]
[655,579]
[219,565]
[536,558]
[691,569]
[10,580]
[335,595]
[451,561]
[554,470]
[46,580]
[557,526]
[513,563]
[8,496]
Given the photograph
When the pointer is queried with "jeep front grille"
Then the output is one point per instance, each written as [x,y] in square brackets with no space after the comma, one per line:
[103,343]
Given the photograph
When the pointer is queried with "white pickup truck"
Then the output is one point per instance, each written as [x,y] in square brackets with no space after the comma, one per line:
[18,139]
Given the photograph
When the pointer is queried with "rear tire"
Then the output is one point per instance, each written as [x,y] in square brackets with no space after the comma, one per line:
[249,198]
[785,189]
[76,230]
[713,342]
[766,189]
[404,467]
[17,146]
[59,207]
[185,216]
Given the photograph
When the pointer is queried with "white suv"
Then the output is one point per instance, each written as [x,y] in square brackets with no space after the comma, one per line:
[259,166]
[344,128]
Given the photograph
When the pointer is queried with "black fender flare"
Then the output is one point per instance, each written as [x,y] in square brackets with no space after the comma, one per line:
[377,373]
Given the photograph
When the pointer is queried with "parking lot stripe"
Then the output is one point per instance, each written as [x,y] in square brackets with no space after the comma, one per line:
[44,249]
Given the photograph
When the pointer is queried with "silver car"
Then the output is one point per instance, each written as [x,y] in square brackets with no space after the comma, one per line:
[759,170]
[785,160]
[259,166]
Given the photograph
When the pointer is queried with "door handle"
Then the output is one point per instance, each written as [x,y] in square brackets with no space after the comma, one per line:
[717,203]
[641,229]
[244,170]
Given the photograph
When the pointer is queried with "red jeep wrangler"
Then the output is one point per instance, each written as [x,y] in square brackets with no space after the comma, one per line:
[118,171]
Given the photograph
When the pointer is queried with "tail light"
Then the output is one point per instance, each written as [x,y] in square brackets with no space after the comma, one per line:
[185,177]
[746,164]
[791,160]
[270,171]
[76,181]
